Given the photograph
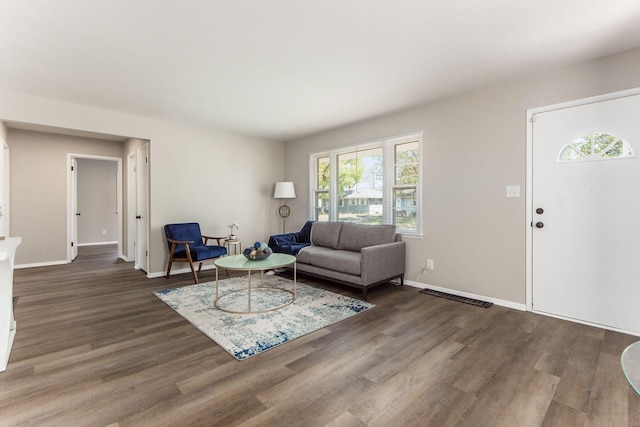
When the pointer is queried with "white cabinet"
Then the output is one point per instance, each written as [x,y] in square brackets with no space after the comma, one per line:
[7,322]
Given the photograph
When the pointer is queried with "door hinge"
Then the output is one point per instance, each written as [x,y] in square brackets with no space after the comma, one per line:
[146,253]
[146,160]
[71,168]
[71,244]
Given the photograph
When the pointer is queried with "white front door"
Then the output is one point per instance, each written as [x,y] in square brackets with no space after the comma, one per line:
[586,211]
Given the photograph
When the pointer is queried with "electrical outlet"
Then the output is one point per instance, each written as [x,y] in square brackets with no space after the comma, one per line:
[429,264]
[104,232]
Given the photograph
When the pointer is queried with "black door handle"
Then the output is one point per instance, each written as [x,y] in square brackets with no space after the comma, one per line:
[138,217]
[539,224]
[77,213]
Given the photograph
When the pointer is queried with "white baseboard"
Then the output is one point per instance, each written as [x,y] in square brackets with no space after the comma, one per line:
[178,271]
[496,301]
[98,243]
[40,264]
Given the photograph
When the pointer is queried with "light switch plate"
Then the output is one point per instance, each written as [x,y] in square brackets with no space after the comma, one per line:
[513,191]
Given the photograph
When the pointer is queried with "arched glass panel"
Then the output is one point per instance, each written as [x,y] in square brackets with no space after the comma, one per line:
[595,146]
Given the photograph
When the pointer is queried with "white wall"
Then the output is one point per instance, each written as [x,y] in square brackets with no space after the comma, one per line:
[39,190]
[474,145]
[196,173]
[97,201]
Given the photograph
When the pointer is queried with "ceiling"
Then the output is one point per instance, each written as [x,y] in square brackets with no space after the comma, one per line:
[285,69]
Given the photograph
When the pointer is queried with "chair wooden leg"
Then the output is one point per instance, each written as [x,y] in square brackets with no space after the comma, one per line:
[193,270]
[173,251]
[169,267]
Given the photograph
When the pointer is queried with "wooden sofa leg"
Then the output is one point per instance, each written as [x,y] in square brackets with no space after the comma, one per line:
[364,293]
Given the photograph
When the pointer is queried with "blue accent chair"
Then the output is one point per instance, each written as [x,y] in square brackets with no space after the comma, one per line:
[291,243]
[187,244]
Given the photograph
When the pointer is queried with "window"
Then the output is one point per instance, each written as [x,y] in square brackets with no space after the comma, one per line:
[595,146]
[373,183]
[321,189]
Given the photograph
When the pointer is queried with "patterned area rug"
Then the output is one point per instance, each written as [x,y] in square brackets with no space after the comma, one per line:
[245,335]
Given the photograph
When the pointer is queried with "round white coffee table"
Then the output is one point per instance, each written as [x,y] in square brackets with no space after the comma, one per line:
[241,263]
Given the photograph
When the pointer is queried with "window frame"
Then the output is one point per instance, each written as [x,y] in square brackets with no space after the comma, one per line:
[389,176]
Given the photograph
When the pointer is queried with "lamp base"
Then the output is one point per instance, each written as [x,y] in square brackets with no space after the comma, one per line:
[284,212]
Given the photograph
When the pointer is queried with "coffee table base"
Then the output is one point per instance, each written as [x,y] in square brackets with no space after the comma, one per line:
[249,311]
[249,269]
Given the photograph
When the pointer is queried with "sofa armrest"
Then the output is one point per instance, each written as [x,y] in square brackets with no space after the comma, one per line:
[382,262]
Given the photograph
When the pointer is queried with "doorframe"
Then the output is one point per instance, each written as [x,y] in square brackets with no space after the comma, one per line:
[5,190]
[529,174]
[143,177]
[131,206]
[71,196]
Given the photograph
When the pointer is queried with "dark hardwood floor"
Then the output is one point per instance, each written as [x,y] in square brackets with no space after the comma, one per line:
[94,347]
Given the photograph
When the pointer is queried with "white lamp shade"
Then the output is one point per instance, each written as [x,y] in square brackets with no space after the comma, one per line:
[284,190]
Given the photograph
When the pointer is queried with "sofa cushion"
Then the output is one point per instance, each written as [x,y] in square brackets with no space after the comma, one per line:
[326,234]
[305,254]
[343,261]
[354,237]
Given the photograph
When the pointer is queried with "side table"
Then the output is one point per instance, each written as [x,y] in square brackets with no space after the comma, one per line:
[235,243]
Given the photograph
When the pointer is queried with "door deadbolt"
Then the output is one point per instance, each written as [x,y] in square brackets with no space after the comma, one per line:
[539,211]
[539,224]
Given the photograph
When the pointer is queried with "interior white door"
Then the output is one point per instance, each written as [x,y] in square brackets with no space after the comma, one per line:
[142,207]
[586,205]
[74,208]
[131,206]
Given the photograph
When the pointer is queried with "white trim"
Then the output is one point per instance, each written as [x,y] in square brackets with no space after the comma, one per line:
[130,217]
[97,243]
[529,181]
[70,157]
[496,301]
[40,264]
[179,271]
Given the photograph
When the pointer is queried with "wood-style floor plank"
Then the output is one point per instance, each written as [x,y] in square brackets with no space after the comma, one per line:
[95,347]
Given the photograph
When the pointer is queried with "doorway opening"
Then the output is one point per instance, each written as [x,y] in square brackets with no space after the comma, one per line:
[98,210]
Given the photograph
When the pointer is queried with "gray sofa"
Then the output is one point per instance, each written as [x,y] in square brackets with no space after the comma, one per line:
[356,255]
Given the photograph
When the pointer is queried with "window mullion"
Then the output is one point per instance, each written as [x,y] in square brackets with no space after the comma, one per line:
[333,186]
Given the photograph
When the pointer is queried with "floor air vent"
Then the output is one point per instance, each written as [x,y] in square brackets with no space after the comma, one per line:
[476,302]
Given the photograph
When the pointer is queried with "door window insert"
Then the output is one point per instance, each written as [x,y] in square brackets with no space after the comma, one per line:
[595,146]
